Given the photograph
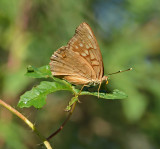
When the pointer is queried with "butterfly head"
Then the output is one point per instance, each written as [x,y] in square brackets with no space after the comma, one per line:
[105,79]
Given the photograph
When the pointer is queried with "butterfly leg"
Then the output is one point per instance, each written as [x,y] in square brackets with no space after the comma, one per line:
[99,88]
[80,92]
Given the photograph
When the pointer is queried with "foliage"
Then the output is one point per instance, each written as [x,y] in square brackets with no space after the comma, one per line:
[37,96]
[128,33]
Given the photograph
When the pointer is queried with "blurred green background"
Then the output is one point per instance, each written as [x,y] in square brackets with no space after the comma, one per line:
[128,33]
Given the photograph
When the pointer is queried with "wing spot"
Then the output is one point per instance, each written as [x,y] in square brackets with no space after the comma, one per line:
[81,45]
[95,63]
[53,57]
[89,37]
[90,45]
[76,47]
[86,51]
[91,54]
[64,55]
[77,53]
[83,54]
[87,46]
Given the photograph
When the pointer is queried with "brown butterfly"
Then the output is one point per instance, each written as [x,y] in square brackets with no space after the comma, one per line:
[80,61]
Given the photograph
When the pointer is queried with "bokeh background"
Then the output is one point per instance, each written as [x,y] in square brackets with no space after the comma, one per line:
[128,33]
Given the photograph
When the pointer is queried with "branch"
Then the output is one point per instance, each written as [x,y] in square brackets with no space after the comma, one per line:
[29,123]
[63,124]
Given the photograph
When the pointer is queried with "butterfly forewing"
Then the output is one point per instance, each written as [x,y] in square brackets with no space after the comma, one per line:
[84,42]
[80,62]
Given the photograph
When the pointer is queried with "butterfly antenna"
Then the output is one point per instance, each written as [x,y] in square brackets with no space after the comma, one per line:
[120,71]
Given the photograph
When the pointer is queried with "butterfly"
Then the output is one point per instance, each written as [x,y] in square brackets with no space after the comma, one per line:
[80,61]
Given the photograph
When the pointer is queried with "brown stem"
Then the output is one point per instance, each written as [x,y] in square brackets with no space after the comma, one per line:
[63,124]
[29,123]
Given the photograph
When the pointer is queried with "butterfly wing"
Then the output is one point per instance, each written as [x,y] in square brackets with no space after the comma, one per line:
[84,42]
[80,62]
[69,65]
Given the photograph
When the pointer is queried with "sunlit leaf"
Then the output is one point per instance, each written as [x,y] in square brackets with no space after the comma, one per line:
[42,72]
[37,96]
[115,95]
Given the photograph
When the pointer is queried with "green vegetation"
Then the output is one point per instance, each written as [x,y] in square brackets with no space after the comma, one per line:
[128,33]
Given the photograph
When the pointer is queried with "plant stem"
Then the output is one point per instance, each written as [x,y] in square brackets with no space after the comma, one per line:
[63,124]
[29,123]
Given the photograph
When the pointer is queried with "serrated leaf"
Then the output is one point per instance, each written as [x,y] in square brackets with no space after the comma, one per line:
[37,96]
[42,72]
[115,95]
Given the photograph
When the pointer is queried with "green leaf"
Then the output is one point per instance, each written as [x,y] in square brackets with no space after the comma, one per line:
[37,96]
[42,72]
[115,95]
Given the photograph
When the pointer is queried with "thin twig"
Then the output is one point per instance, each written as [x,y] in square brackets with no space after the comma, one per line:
[29,123]
[63,124]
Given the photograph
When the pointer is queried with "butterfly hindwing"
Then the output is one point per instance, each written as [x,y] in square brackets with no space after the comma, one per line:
[65,62]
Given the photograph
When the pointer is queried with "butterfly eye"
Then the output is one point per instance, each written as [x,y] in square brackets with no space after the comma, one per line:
[107,82]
